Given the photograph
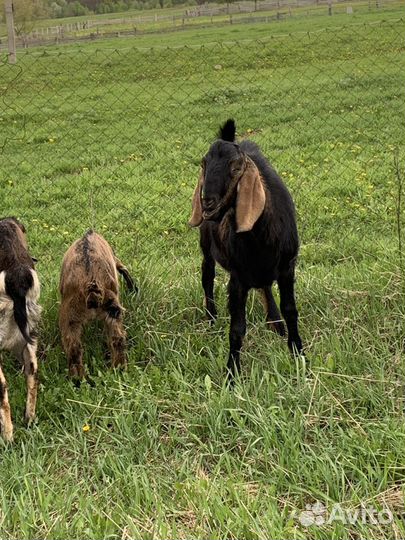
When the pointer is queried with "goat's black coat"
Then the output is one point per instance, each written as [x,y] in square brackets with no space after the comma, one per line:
[16,262]
[258,255]
[256,258]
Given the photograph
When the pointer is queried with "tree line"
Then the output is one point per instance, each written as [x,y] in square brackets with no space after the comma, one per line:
[31,10]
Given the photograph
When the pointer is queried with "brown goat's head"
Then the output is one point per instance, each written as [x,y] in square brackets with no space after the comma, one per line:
[17,228]
[228,178]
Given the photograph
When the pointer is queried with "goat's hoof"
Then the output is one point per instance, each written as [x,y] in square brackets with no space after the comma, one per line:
[76,382]
[295,346]
[231,373]
[211,315]
[29,419]
[7,435]
[229,381]
[278,327]
[122,365]
[298,352]
[76,374]
[89,380]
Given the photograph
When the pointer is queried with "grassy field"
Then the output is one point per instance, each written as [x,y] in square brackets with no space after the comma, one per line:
[174,19]
[132,26]
[111,138]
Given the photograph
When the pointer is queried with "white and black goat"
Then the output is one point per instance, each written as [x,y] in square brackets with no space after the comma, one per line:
[247,224]
[19,316]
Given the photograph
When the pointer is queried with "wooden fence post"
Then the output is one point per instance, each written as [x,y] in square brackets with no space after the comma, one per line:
[12,57]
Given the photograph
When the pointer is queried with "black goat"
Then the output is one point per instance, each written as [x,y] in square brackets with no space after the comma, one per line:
[247,224]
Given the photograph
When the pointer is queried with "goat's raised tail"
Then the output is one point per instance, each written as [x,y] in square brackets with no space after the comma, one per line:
[17,285]
[227,132]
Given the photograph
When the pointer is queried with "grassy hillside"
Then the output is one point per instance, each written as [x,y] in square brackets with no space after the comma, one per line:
[111,138]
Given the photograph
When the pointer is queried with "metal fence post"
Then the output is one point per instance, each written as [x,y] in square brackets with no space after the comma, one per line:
[12,57]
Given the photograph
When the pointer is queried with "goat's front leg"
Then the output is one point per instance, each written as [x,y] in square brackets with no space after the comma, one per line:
[6,425]
[208,276]
[31,377]
[237,309]
[289,310]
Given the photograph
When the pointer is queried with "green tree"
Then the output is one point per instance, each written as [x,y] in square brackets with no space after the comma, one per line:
[26,12]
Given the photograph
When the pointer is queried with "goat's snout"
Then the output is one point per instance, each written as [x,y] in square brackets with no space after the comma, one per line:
[209,203]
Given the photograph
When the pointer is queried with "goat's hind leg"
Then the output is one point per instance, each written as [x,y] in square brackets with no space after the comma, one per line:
[289,310]
[116,337]
[237,309]
[71,331]
[6,425]
[31,375]
[74,351]
[273,316]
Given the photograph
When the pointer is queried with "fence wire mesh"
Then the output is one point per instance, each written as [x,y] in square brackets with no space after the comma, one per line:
[113,138]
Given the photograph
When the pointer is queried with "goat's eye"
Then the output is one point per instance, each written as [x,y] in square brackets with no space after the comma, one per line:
[236,166]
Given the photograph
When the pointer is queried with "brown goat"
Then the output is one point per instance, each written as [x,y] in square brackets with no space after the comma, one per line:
[89,289]
[19,316]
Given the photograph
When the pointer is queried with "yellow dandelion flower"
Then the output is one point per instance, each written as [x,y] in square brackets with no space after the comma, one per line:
[86,428]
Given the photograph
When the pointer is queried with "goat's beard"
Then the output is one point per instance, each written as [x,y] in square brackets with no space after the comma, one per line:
[218,213]
[212,215]
[215,215]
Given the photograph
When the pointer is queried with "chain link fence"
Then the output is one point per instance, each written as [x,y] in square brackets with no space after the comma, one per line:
[113,139]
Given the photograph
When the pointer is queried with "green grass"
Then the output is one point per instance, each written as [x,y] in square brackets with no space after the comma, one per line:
[112,138]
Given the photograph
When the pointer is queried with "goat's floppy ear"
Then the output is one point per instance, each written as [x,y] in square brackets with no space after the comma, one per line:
[251,198]
[196,215]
